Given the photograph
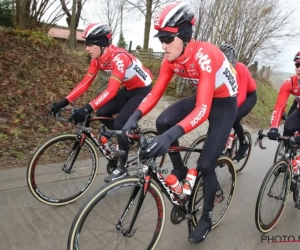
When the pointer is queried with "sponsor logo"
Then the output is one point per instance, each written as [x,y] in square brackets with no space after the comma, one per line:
[102,97]
[152,147]
[273,114]
[203,61]
[157,17]
[231,79]
[199,116]
[178,17]
[119,63]
[192,72]
[140,72]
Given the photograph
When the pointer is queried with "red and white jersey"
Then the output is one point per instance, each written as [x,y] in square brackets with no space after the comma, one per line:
[245,82]
[204,66]
[289,86]
[124,69]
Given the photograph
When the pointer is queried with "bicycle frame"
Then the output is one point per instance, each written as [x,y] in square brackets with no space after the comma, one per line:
[84,130]
[152,172]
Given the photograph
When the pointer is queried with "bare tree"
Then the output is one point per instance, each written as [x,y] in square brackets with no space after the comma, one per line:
[73,18]
[255,27]
[147,8]
[30,14]
[106,11]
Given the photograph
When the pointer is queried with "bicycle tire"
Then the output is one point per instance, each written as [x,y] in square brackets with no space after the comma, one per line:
[278,150]
[234,144]
[223,160]
[261,226]
[103,192]
[58,147]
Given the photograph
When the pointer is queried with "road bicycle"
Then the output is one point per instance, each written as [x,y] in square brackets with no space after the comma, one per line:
[63,168]
[280,148]
[230,149]
[129,213]
[281,179]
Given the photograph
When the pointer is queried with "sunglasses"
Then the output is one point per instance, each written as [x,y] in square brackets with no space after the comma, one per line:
[167,39]
[297,65]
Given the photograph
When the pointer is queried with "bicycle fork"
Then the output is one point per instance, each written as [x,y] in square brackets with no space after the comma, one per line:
[129,232]
[73,154]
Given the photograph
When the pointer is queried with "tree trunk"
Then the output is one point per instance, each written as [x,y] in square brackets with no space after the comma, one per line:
[73,27]
[147,24]
[22,13]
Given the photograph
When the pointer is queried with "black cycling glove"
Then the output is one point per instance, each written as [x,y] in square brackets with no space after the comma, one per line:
[273,134]
[57,106]
[80,114]
[160,144]
[131,124]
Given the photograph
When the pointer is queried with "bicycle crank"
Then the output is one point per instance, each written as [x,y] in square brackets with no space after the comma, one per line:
[177,215]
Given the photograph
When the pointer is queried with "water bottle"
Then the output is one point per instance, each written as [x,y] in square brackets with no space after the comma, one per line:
[230,141]
[103,141]
[190,181]
[296,165]
[175,185]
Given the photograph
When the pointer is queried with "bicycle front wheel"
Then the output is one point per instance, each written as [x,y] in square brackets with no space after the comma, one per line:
[272,196]
[62,170]
[226,177]
[104,221]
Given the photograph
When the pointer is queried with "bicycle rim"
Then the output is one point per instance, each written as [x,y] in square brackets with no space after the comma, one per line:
[46,177]
[95,226]
[240,165]
[276,193]
[226,177]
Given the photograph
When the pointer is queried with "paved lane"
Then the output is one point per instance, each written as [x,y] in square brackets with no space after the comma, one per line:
[26,224]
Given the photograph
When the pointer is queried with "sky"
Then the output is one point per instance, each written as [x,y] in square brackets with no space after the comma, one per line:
[133,30]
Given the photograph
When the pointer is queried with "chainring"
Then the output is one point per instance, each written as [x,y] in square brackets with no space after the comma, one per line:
[177,215]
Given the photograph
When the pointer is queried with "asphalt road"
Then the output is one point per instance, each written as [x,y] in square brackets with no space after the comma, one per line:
[27,224]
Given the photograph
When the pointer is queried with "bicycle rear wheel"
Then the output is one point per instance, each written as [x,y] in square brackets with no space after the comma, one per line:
[104,219]
[48,177]
[275,189]
[226,177]
[240,165]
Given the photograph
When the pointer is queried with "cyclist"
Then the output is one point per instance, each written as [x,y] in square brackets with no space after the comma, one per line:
[206,67]
[125,70]
[246,97]
[292,123]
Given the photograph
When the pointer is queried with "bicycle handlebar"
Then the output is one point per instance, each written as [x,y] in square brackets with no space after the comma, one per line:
[260,136]
[71,109]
